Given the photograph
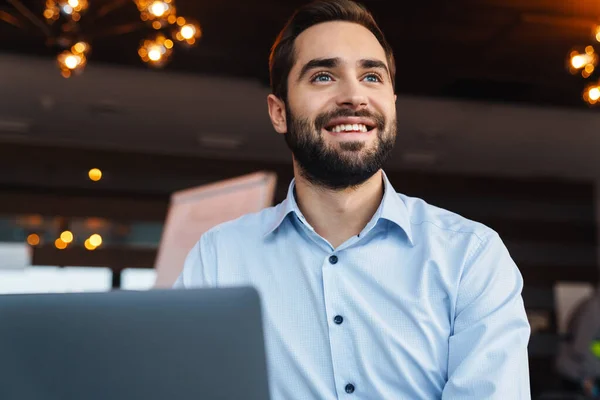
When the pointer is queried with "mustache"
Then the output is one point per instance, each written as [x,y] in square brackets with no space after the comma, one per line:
[322,119]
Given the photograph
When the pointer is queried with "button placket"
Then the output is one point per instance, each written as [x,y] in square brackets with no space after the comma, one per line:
[340,338]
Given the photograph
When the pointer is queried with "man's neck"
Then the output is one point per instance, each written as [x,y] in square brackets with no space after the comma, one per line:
[337,215]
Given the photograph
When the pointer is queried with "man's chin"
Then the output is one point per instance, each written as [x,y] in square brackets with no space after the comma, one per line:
[353,147]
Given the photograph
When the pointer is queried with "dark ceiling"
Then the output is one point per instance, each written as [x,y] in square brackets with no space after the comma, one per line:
[498,50]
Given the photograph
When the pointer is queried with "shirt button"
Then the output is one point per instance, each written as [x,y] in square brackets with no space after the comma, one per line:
[338,319]
[333,259]
[349,388]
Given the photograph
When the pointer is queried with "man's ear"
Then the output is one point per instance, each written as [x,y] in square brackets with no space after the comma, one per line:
[277,113]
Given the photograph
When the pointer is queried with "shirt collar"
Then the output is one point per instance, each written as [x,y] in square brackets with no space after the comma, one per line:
[283,209]
[392,208]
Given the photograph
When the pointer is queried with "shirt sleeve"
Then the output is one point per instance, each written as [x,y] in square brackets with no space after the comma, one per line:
[488,346]
[199,267]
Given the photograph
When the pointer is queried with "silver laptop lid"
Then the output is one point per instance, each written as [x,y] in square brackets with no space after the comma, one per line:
[158,344]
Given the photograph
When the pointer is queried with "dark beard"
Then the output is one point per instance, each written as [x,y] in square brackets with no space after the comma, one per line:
[341,168]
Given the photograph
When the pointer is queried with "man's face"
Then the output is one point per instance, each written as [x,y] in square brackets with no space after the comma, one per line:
[340,110]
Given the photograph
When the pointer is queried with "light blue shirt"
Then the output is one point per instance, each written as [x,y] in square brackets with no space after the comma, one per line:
[428,303]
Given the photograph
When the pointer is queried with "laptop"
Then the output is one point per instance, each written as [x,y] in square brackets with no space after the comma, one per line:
[122,345]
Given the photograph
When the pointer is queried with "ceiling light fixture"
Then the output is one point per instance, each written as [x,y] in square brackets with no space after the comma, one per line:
[60,24]
[584,61]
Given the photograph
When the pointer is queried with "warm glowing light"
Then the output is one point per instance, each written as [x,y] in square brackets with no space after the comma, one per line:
[597,32]
[95,240]
[80,47]
[159,12]
[580,60]
[59,244]
[52,12]
[72,6]
[584,62]
[33,239]
[157,51]
[66,236]
[88,245]
[72,61]
[188,31]
[591,94]
[158,8]
[95,174]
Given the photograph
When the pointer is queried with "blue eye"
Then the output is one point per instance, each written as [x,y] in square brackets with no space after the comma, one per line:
[321,78]
[372,78]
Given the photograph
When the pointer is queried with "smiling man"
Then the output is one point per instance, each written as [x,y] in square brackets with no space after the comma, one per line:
[367,293]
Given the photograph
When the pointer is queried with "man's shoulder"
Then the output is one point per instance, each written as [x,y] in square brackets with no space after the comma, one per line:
[459,239]
[247,226]
[427,217]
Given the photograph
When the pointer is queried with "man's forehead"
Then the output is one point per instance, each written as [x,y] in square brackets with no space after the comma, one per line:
[350,42]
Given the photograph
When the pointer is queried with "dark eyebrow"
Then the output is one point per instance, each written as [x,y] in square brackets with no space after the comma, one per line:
[372,63]
[318,63]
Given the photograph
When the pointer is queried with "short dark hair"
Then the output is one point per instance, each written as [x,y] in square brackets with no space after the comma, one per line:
[282,56]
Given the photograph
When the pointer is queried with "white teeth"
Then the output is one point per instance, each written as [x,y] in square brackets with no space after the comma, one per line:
[349,128]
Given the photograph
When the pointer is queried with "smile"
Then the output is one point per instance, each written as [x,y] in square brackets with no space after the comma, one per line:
[349,128]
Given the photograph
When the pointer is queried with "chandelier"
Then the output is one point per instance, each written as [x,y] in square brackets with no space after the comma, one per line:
[62,27]
[584,61]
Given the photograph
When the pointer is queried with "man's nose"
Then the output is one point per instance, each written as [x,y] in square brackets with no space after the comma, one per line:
[352,97]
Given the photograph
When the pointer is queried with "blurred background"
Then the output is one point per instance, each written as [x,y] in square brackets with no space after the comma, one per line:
[109,107]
